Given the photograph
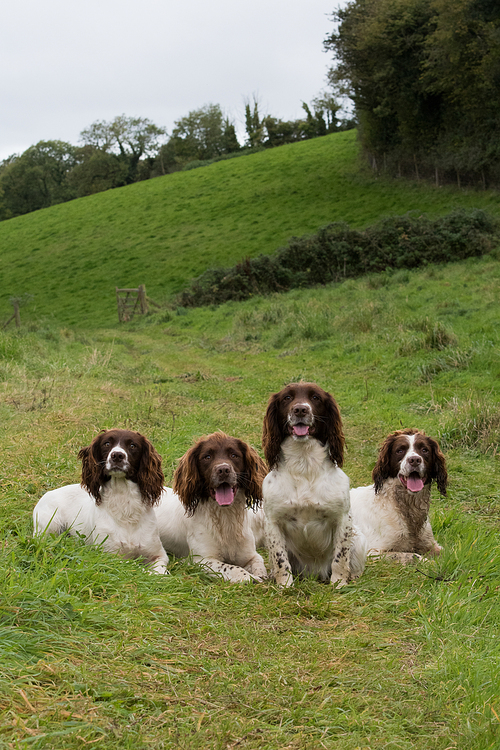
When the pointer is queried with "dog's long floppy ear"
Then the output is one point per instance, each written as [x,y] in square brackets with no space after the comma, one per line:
[253,474]
[188,482]
[439,472]
[150,474]
[382,469]
[92,473]
[334,431]
[272,433]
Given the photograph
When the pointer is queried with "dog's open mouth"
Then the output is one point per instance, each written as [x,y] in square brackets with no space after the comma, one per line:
[223,494]
[413,482]
[300,429]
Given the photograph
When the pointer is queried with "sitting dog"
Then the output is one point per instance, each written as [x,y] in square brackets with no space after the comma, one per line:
[122,480]
[393,512]
[205,514]
[308,525]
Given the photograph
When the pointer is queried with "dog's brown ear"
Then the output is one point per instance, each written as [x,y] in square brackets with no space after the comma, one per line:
[150,474]
[92,474]
[188,482]
[439,472]
[253,475]
[382,469]
[335,433]
[272,432]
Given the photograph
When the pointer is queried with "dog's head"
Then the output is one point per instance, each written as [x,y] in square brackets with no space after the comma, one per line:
[216,468]
[413,457]
[122,453]
[302,411]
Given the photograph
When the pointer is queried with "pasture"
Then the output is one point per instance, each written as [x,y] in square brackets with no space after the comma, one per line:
[95,652]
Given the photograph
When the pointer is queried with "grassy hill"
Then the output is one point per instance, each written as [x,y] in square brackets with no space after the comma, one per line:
[166,231]
[96,652]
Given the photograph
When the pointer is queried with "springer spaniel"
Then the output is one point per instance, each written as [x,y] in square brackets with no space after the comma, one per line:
[309,529]
[122,480]
[206,514]
[393,512]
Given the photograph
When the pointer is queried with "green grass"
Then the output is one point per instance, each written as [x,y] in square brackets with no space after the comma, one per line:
[166,231]
[95,651]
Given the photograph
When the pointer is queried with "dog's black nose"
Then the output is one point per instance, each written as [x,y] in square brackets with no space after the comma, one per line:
[301,410]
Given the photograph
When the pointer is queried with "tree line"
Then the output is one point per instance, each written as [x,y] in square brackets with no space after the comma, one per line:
[424,76]
[127,149]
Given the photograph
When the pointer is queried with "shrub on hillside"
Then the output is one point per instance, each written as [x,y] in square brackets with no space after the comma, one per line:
[338,252]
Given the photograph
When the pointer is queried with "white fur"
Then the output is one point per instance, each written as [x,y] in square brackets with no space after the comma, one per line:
[219,537]
[385,528]
[257,525]
[308,525]
[122,523]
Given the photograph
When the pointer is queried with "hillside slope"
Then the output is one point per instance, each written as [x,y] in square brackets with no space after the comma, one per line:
[166,231]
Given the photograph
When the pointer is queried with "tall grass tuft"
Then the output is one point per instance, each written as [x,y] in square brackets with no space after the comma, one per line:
[472,424]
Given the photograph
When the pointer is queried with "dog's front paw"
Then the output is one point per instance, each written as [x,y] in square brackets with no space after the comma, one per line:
[339,581]
[283,578]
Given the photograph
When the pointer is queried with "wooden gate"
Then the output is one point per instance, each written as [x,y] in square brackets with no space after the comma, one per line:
[130,302]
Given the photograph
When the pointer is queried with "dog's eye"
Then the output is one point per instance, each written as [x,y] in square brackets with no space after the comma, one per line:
[401,450]
[234,455]
[315,397]
[424,450]
[287,398]
[107,444]
[132,446]
[207,457]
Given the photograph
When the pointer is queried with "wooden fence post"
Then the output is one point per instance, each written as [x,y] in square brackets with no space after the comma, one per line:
[17,315]
[142,299]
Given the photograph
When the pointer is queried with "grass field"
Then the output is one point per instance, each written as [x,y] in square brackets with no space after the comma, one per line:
[95,652]
[166,231]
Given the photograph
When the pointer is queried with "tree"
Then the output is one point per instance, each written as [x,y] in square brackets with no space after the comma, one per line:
[276,132]
[130,138]
[95,171]
[254,126]
[38,178]
[201,135]
[424,76]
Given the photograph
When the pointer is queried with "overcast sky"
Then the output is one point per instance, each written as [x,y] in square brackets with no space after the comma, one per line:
[66,64]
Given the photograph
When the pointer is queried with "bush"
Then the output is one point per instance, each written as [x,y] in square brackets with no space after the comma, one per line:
[338,252]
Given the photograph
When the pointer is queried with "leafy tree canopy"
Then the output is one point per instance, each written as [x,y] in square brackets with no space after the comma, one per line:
[202,134]
[37,178]
[424,76]
[130,138]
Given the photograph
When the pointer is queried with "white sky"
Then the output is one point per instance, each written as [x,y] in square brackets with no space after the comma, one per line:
[66,64]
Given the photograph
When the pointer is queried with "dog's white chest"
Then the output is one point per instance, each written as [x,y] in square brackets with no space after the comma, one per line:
[306,487]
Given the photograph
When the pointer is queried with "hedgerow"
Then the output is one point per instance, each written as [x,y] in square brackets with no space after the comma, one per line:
[338,252]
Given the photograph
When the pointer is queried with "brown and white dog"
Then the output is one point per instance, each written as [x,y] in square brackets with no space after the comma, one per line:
[308,525]
[122,480]
[206,513]
[393,512]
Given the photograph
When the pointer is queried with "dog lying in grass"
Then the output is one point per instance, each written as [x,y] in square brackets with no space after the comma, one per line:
[393,512]
[122,480]
[206,513]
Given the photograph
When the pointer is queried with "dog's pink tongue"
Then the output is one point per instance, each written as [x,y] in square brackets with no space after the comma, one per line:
[414,483]
[224,494]
[300,429]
